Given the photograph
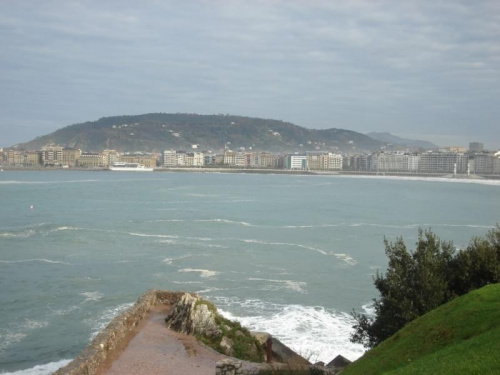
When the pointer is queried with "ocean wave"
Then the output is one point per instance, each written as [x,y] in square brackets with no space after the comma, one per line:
[33,324]
[203,273]
[152,235]
[169,261]
[259,242]
[34,260]
[23,234]
[225,221]
[345,258]
[10,338]
[312,331]
[296,286]
[20,182]
[91,296]
[45,369]
[426,179]
[63,228]
[105,318]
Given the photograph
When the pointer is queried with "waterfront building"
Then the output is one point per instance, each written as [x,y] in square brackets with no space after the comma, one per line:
[148,160]
[109,157]
[91,160]
[181,158]
[296,162]
[169,158]
[52,156]
[481,163]
[265,160]
[209,159]
[32,158]
[476,147]
[194,159]
[229,158]
[13,157]
[70,156]
[389,162]
[439,162]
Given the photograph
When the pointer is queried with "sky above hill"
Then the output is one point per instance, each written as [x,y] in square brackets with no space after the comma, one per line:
[418,69]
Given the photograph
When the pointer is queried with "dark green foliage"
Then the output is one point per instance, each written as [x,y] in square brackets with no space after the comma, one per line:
[419,281]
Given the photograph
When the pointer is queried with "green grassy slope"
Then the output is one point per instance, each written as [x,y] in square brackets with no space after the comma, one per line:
[460,337]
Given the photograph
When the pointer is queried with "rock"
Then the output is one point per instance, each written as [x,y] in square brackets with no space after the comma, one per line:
[339,362]
[280,352]
[192,318]
[227,345]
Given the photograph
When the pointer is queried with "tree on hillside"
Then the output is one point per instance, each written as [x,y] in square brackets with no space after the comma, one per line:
[421,280]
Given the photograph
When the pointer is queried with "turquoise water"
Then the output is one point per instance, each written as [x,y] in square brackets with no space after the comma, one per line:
[292,255]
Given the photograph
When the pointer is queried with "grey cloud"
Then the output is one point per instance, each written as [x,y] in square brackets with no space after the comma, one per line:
[428,68]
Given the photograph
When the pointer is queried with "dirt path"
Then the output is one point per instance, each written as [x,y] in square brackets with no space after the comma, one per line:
[156,350]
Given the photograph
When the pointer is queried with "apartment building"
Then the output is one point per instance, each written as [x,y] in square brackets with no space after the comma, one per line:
[91,160]
[450,162]
[52,156]
[169,158]
[148,160]
[296,162]
[109,157]
[70,156]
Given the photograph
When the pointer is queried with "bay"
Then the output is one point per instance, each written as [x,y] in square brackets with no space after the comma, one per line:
[291,255]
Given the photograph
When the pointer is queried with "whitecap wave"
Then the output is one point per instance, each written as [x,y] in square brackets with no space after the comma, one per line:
[152,235]
[45,369]
[105,318]
[91,296]
[259,242]
[24,234]
[226,221]
[426,179]
[10,338]
[296,286]
[345,258]
[34,260]
[315,332]
[203,273]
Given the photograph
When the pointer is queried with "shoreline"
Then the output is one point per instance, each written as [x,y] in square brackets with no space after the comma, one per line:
[409,175]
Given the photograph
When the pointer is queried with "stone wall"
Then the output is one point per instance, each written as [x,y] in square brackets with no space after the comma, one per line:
[94,356]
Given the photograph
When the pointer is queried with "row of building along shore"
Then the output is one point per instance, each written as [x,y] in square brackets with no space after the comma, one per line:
[452,160]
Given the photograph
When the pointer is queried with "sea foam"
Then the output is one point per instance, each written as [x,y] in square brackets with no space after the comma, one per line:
[45,369]
[316,333]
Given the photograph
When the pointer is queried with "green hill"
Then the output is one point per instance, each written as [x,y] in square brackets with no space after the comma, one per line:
[161,131]
[460,337]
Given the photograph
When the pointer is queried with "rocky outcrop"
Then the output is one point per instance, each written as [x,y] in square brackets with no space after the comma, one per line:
[194,316]
[339,363]
[279,351]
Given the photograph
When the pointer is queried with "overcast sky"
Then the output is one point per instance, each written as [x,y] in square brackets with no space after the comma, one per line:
[420,69]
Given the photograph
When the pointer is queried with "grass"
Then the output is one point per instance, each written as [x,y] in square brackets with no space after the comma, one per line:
[460,337]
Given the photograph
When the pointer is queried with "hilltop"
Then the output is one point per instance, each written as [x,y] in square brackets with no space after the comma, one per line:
[405,142]
[460,337]
[160,131]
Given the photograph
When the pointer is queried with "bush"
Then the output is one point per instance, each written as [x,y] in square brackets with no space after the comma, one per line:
[419,281]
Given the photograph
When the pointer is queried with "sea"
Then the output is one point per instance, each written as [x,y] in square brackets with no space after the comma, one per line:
[292,255]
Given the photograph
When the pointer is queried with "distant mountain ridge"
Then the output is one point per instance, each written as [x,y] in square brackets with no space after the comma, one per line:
[405,142]
[161,131]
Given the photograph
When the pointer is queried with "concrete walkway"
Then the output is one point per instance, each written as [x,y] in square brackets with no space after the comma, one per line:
[156,350]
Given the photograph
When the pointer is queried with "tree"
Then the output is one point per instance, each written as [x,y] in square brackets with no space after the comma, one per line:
[415,282]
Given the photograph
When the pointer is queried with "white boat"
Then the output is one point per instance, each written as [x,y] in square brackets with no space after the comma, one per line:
[134,167]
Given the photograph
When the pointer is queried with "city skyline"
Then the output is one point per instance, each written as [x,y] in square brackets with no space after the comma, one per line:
[416,70]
